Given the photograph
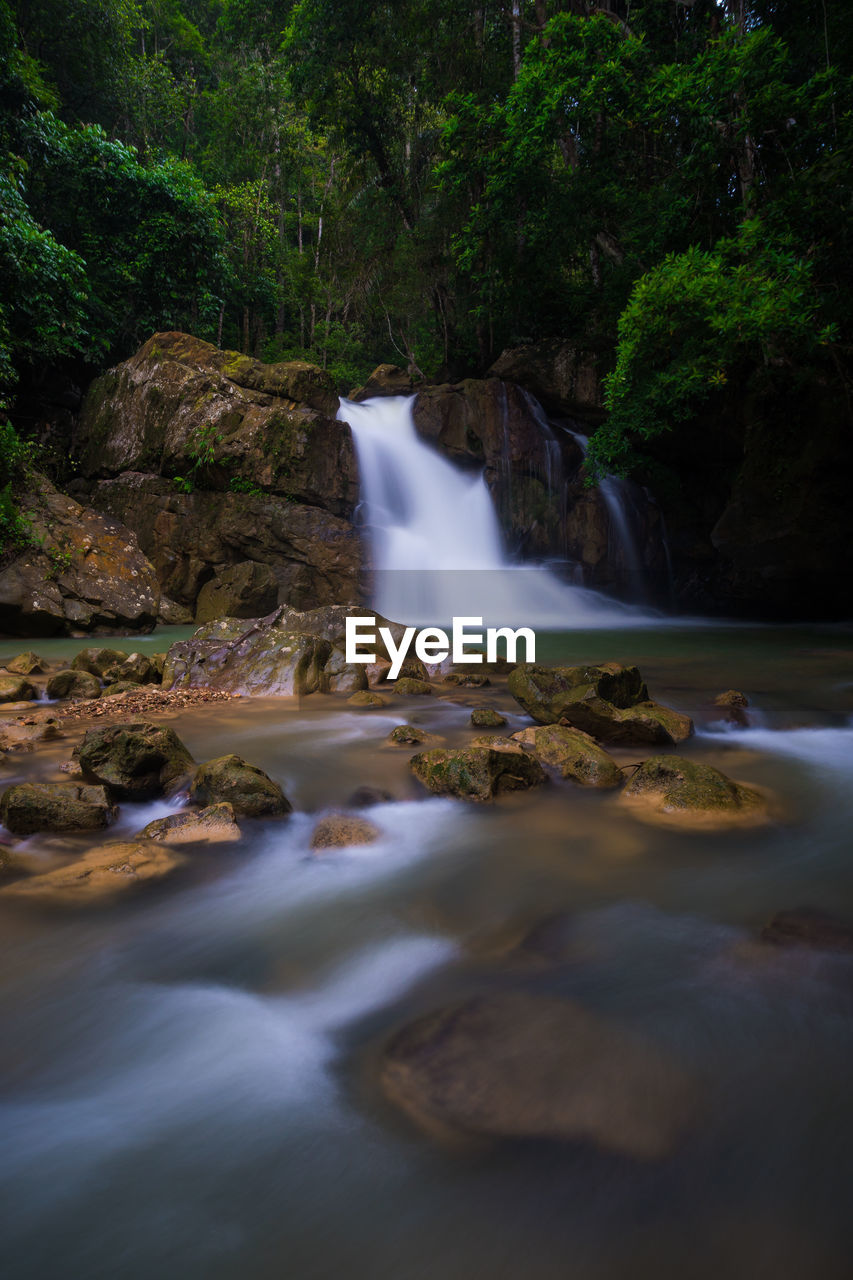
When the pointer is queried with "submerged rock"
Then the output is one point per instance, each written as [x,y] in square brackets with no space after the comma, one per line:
[408,686]
[467,679]
[734,704]
[137,761]
[366,795]
[213,825]
[16,689]
[477,772]
[516,1065]
[487,718]
[340,830]
[28,807]
[100,875]
[410,735]
[609,701]
[572,754]
[671,789]
[26,664]
[24,734]
[244,786]
[73,684]
[809,927]
[367,698]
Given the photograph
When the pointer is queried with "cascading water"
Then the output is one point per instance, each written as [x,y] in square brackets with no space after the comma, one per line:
[436,541]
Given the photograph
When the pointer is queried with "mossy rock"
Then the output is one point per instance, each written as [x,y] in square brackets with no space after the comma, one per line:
[17,689]
[118,687]
[674,790]
[571,754]
[410,687]
[28,807]
[100,875]
[467,679]
[232,780]
[487,718]
[135,668]
[73,684]
[26,664]
[409,735]
[479,772]
[213,825]
[137,761]
[343,830]
[367,698]
[98,661]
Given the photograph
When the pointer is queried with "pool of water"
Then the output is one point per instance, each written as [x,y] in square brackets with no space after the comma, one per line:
[188,1080]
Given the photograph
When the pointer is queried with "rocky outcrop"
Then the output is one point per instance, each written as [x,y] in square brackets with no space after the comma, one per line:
[215,459]
[517,1065]
[245,787]
[83,572]
[564,378]
[608,701]
[246,590]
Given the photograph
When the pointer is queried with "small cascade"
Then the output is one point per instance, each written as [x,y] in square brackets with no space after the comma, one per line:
[436,542]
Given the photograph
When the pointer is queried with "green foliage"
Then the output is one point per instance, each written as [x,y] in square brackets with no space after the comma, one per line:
[15,461]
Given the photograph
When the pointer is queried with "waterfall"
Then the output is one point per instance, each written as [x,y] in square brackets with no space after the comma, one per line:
[436,544]
[617,496]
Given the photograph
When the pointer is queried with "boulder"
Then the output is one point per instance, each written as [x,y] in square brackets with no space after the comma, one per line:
[136,761]
[213,825]
[478,772]
[571,754]
[118,687]
[26,664]
[565,378]
[487,718]
[340,676]
[408,687]
[409,735]
[367,698]
[467,679]
[340,830]
[100,875]
[180,407]
[83,572]
[734,706]
[608,701]
[673,790]
[27,807]
[250,792]
[73,684]
[16,689]
[135,668]
[171,613]
[246,590]
[385,380]
[98,661]
[810,928]
[516,1065]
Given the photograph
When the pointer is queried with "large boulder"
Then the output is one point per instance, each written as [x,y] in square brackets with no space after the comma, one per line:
[98,661]
[100,875]
[315,554]
[83,572]
[478,772]
[180,407]
[249,791]
[516,1065]
[16,689]
[28,807]
[608,701]
[136,761]
[674,790]
[246,590]
[571,754]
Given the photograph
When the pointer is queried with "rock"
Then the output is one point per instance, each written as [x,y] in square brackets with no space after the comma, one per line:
[487,718]
[553,939]
[158,664]
[340,830]
[477,772]
[572,754]
[98,661]
[26,664]
[408,688]
[246,590]
[340,676]
[409,735]
[809,927]
[16,689]
[386,380]
[135,668]
[23,735]
[467,679]
[101,875]
[516,1065]
[377,672]
[213,825]
[27,807]
[136,761]
[366,698]
[153,412]
[171,613]
[245,787]
[671,789]
[608,701]
[564,378]
[118,687]
[84,572]
[365,796]
[734,704]
[73,684]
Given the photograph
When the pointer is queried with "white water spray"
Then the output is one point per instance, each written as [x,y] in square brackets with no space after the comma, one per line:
[436,542]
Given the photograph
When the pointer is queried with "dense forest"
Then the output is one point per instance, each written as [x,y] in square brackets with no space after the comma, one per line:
[664,182]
